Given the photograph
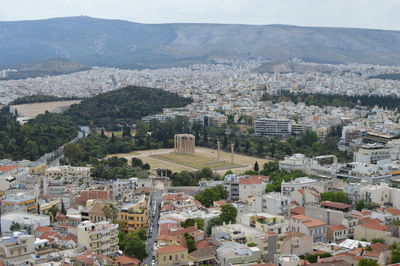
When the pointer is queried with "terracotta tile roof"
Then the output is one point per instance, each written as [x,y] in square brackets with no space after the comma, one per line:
[220,202]
[393,211]
[337,227]
[71,237]
[355,252]
[372,254]
[205,252]
[308,221]
[379,246]
[250,181]
[292,234]
[171,248]
[43,229]
[337,205]
[298,210]
[293,202]
[366,212]
[301,191]
[202,244]
[7,168]
[370,220]
[262,177]
[127,260]
[168,207]
[374,226]
[183,231]
[300,217]
[314,223]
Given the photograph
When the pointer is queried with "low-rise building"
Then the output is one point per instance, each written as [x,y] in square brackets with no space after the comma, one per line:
[250,186]
[67,172]
[172,255]
[299,183]
[25,221]
[274,203]
[237,254]
[295,243]
[17,248]
[266,222]
[309,226]
[337,233]
[19,202]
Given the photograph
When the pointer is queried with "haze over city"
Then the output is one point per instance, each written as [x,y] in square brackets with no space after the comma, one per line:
[373,14]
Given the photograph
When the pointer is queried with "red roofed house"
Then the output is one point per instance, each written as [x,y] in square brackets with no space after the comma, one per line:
[379,252]
[338,206]
[337,233]
[12,169]
[372,230]
[176,235]
[127,261]
[92,194]
[249,186]
[172,255]
[309,226]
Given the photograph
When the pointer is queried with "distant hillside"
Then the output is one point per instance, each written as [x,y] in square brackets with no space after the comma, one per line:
[392,76]
[54,66]
[92,41]
[291,67]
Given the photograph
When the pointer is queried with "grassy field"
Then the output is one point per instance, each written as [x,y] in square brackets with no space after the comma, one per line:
[35,109]
[195,160]
[203,156]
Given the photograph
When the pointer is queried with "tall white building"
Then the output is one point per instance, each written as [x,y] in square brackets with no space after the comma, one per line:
[273,127]
[101,237]
[299,183]
[273,203]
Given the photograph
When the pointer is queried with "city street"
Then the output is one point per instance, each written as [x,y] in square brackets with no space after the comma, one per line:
[153,223]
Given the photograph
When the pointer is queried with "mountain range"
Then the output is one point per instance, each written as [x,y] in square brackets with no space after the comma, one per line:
[101,42]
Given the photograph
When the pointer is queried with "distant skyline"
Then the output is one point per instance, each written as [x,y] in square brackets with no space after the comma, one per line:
[373,14]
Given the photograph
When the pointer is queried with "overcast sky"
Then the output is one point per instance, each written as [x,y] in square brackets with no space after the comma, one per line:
[378,14]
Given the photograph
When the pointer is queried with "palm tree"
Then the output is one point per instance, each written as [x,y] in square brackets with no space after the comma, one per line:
[53,210]
[110,211]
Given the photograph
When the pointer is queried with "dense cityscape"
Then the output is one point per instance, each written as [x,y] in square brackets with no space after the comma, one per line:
[200,133]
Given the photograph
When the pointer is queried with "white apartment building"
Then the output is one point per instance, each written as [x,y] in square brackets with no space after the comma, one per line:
[17,248]
[371,153]
[101,237]
[274,203]
[295,162]
[27,221]
[68,172]
[249,186]
[273,127]
[266,222]
[299,183]
[362,172]
[121,185]
[231,184]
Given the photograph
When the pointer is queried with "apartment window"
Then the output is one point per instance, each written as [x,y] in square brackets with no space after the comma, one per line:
[165,258]
[176,257]
[170,257]
[182,256]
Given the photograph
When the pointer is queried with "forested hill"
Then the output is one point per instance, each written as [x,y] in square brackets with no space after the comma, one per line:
[49,131]
[103,42]
[41,135]
[124,106]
